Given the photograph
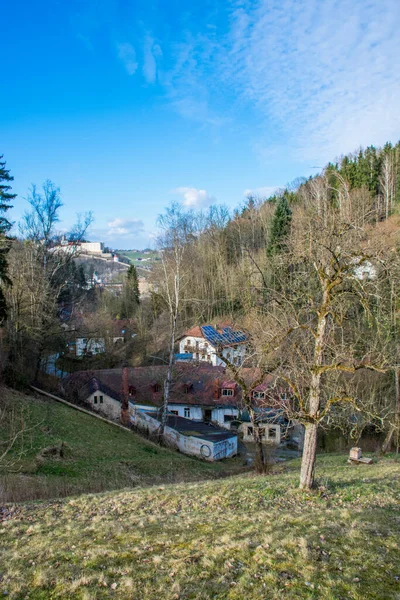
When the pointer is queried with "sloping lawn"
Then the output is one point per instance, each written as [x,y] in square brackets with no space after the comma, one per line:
[243,538]
[97,456]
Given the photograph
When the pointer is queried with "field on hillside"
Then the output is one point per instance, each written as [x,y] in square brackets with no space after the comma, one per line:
[138,257]
[243,538]
[98,456]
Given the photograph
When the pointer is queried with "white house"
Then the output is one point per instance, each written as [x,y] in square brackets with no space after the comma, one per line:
[200,344]
[218,415]
[89,346]
[199,393]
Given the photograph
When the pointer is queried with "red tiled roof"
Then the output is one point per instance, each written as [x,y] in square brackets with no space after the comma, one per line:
[193,332]
[228,385]
[205,383]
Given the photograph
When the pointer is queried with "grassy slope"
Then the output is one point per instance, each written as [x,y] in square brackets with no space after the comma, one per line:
[98,457]
[133,256]
[241,538]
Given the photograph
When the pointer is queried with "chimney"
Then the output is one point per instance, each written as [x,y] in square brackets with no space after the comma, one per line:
[216,389]
[125,397]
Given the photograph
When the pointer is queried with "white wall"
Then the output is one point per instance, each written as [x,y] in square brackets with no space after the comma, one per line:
[218,415]
[105,404]
[205,352]
[268,437]
[196,413]
[85,345]
[96,247]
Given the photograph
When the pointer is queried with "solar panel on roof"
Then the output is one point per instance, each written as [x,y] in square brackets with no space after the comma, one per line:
[228,336]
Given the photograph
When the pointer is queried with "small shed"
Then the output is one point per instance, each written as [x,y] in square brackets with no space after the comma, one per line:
[195,438]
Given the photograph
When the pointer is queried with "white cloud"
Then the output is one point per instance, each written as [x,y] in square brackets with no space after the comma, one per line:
[194,198]
[152,52]
[266,191]
[127,55]
[124,227]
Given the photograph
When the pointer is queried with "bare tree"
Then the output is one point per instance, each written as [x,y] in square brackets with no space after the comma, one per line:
[39,271]
[320,325]
[387,182]
[178,231]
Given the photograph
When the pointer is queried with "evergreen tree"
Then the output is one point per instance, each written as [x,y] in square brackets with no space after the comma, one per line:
[280,226]
[5,196]
[130,293]
[5,226]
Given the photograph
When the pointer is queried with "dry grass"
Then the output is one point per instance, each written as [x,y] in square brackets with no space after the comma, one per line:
[241,538]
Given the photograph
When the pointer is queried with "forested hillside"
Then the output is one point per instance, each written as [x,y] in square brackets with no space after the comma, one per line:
[312,276]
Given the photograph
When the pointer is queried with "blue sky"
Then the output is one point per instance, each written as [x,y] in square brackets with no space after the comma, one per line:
[127,106]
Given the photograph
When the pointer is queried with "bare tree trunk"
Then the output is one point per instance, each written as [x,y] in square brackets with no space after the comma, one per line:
[125,418]
[309,453]
[396,424]
[310,438]
[259,463]
[168,379]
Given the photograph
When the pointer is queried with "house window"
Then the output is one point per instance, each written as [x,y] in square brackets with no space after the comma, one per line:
[250,431]
[132,390]
[174,412]
[284,396]
[156,388]
[101,399]
[187,388]
[95,399]
[259,395]
[187,412]
[272,434]
[229,418]
[226,392]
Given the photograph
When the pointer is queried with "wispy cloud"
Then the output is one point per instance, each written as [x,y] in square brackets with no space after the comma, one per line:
[316,77]
[263,192]
[127,55]
[124,227]
[327,72]
[322,76]
[194,198]
[152,52]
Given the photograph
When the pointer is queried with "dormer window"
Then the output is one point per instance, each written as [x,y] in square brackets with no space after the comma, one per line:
[187,388]
[227,392]
[259,395]
[132,390]
[156,388]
